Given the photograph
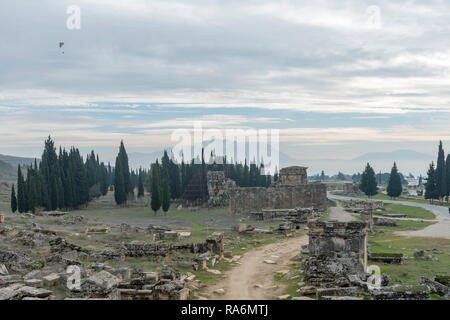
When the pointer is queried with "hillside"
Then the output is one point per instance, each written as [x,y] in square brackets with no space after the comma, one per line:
[7,172]
[15,161]
[396,155]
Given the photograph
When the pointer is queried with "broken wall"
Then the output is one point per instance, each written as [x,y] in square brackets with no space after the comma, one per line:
[336,250]
[246,200]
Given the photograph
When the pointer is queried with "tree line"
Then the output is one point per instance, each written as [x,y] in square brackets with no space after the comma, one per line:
[66,181]
[437,186]
[368,182]
[60,181]
[168,180]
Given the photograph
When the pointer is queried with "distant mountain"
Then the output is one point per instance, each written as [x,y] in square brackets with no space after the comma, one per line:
[396,155]
[408,161]
[15,161]
[138,159]
[8,166]
[7,172]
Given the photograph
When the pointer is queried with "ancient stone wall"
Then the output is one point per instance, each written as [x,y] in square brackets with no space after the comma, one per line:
[293,176]
[336,250]
[218,188]
[213,243]
[351,189]
[246,200]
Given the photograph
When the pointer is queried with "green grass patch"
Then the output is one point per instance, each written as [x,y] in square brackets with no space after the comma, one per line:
[417,199]
[386,241]
[410,211]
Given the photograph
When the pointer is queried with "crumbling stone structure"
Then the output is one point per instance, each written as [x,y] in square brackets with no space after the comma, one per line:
[360,205]
[213,243]
[293,176]
[292,191]
[246,200]
[351,189]
[367,217]
[336,250]
[218,188]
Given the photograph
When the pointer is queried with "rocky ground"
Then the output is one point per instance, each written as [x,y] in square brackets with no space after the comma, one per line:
[107,252]
[121,253]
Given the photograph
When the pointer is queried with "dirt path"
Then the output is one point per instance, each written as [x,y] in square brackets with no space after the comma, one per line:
[252,278]
[339,214]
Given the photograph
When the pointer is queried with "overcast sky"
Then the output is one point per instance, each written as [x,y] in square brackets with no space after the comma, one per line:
[338,78]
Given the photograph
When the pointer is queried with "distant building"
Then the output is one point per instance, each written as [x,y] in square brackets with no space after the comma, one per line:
[412,182]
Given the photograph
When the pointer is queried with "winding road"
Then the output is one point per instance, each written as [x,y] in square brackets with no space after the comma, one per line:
[441,229]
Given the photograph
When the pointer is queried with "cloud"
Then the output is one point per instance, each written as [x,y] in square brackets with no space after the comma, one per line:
[287,55]
[141,68]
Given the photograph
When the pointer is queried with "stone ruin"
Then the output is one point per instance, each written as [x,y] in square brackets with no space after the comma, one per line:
[292,219]
[337,262]
[351,189]
[362,205]
[439,285]
[366,208]
[218,188]
[292,191]
[293,175]
[336,250]
[296,215]
[100,281]
[213,243]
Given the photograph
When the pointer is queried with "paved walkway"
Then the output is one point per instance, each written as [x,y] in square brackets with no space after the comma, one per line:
[441,229]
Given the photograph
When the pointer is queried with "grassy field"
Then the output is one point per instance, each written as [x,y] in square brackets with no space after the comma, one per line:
[411,199]
[386,241]
[410,211]
[199,221]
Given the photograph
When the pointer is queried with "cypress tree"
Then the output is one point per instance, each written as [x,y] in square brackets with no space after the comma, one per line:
[447,169]
[125,170]
[60,181]
[31,190]
[394,188]
[104,179]
[140,185]
[123,187]
[119,183]
[148,181]
[165,193]
[430,187]
[246,177]
[183,176]
[156,196]
[20,191]
[174,180]
[13,200]
[369,182]
[441,174]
